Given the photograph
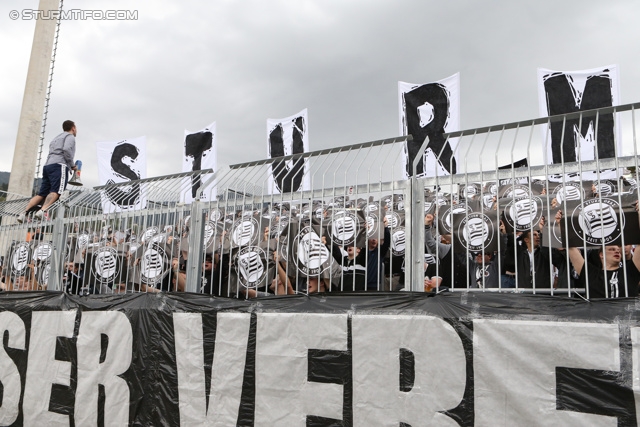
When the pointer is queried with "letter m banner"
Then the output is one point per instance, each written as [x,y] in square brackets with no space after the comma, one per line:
[589,138]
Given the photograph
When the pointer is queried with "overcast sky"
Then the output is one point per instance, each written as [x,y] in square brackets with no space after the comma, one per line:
[182,65]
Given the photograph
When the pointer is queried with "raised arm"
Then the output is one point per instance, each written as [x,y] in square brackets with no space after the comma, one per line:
[636,258]
[575,256]
[577,260]
[433,247]
[282,275]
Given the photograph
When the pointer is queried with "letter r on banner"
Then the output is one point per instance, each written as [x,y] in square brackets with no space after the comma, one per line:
[92,373]
[515,363]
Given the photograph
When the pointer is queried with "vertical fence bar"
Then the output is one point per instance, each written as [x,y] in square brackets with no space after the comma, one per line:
[196,246]
[57,255]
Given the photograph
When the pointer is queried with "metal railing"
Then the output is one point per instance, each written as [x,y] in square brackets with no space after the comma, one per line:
[349,219]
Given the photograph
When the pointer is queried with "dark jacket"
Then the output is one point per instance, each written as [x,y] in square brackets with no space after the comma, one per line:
[354,271]
[517,260]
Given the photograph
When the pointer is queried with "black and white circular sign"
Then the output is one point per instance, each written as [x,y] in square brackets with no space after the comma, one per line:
[447,223]
[398,241]
[469,191]
[251,266]
[516,191]
[244,231]
[20,259]
[43,274]
[106,265]
[568,191]
[149,233]
[393,219]
[278,226]
[83,240]
[311,256]
[598,221]
[524,213]
[604,188]
[209,233]
[154,265]
[372,207]
[476,231]
[42,252]
[344,226]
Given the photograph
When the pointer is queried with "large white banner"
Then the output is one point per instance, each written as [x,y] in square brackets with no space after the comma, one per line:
[430,110]
[199,153]
[123,161]
[286,137]
[561,92]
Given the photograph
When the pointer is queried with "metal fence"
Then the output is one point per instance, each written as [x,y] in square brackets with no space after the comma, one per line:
[351,219]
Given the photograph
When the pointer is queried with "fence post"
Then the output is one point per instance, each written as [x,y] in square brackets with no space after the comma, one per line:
[414,229]
[59,240]
[196,244]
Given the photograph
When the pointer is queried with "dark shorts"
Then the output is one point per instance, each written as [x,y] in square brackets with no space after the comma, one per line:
[54,179]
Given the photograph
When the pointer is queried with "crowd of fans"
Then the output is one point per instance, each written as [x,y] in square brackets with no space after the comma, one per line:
[348,246]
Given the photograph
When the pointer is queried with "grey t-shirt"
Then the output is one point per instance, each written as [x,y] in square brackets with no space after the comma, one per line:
[62,149]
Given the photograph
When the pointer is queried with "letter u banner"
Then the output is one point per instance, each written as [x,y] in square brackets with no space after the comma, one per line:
[380,359]
[122,161]
[286,137]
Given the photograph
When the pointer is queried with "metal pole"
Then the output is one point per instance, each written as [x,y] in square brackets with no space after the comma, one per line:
[196,233]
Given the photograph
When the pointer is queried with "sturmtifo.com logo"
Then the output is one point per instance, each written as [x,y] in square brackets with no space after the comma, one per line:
[74,15]
[598,222]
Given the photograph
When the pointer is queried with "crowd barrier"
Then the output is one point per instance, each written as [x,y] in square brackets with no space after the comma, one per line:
[354,218]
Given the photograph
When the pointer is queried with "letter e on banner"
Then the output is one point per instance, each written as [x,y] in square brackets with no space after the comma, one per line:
[381,346]
[284,396]
[43,370]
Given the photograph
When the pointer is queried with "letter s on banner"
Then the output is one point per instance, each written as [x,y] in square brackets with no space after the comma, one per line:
[92,373]
[515,382]
[9,375]
[284,396]
[378,344]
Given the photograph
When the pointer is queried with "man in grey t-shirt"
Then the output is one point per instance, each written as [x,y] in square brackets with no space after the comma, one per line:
[62,149]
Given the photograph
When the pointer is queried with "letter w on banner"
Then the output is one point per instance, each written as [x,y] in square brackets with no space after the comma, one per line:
[286,137]
[200,152]
[561,92]
[118,162]
[430,109]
